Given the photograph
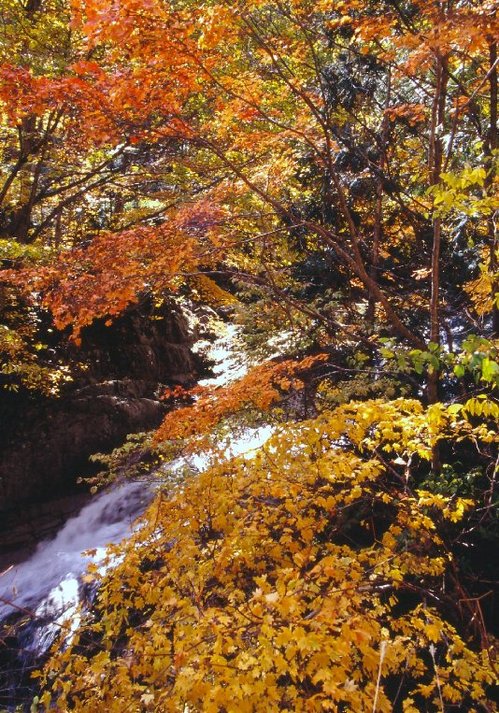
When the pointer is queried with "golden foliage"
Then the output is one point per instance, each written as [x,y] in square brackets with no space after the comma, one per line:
[206,290]
[259,586]
[483,290]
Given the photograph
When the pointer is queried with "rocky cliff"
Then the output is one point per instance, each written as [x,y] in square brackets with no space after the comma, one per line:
[45,443]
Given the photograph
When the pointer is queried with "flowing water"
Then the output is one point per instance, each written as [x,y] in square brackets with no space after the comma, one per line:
[42,594]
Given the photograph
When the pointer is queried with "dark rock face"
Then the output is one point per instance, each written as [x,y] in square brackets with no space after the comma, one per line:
[125,367]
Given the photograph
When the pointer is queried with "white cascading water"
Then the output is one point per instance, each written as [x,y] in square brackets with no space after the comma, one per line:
[47,587]
[47,583]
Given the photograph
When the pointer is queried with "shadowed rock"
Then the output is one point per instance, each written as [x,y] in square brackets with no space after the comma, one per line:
[125,367]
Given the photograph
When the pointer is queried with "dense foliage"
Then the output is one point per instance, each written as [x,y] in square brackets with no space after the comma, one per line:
[327,171]
[308,577]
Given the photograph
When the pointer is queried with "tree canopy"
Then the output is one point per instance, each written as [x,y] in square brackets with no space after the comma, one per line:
[327,172]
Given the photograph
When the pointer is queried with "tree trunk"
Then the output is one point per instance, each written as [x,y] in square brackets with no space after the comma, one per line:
[378,225]
[435,167]
[491,145]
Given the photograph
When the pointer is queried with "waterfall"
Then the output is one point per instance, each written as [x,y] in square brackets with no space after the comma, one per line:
[42,595]
[47,582]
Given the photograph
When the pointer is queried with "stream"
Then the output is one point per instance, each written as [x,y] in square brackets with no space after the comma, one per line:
[43,592]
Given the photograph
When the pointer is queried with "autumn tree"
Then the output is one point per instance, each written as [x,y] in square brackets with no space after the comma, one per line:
[327,137]
[72,168]
[334,165]
[306,577]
